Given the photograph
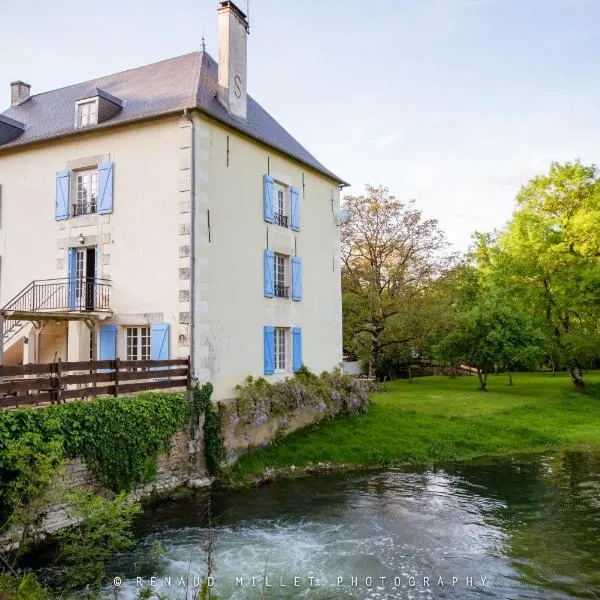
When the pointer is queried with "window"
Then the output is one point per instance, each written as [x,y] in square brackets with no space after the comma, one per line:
[282,290]
[87,114]
[281,352]
[86,199]
[280,216]
[138,343]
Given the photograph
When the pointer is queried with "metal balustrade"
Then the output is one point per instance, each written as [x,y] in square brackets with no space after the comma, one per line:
[57,295]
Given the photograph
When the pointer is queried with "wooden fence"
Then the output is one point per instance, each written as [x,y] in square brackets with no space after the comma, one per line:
[55,383]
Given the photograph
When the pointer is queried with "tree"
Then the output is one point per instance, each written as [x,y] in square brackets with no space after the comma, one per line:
[490,334]
[390,256]
[102,529]
[548,259]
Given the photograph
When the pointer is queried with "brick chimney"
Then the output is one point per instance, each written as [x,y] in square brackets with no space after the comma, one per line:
[19,92]
[233,43]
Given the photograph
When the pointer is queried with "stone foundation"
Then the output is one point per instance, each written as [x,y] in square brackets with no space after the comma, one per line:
[241,432]
[183,466]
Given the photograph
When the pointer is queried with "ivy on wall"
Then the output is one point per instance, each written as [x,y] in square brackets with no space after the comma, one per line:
[119,438]
[213,443]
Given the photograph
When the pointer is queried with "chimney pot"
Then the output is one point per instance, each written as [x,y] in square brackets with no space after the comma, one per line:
[19,92]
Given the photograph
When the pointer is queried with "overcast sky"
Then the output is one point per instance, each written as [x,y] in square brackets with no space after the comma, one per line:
[455,103]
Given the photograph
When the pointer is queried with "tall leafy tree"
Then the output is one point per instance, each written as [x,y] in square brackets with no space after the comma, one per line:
[490,335]
[548,259]
[390,257]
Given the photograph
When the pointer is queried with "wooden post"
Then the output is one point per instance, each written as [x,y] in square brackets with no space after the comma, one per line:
[189,372]
[117,367]
[1,338]
[58,388]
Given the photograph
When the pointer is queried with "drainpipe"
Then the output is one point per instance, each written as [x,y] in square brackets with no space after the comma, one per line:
[188,117]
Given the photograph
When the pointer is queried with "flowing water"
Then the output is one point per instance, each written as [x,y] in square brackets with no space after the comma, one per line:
[520,527]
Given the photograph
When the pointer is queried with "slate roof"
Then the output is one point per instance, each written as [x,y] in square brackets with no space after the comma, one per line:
[168,86]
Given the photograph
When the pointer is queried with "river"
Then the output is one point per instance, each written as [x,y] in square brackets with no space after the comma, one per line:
[518,527]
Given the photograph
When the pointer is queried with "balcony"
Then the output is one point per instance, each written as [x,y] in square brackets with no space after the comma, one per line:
[280,219]
[282,291]
[85,208]
[69,293]
[55,299]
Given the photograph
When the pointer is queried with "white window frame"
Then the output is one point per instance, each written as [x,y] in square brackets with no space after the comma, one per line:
[282,349]
[142,336]
[91,187]
[86,113]
[281,271]
[80,273]
[282,204]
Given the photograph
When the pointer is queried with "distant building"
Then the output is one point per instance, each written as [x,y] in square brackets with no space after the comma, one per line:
[162,212]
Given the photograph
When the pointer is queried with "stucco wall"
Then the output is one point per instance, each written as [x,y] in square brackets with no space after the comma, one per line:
[138,242]
[146,243]
[230,306]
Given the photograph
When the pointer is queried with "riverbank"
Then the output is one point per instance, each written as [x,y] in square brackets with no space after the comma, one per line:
[438,419]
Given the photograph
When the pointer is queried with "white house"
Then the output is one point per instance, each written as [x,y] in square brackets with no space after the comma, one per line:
[162,212]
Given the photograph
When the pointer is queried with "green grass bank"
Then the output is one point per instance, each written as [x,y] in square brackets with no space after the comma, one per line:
[437,419]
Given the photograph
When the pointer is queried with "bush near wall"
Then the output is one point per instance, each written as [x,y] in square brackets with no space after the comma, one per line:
[119,438]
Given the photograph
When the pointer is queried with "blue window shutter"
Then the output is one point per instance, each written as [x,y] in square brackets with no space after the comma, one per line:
[269,273]
[62,195]
[108,342]
[268,197]
[71,274]
[297,348]
[105,188]
[296,278]
[269,349]
[295,205]
[159,341]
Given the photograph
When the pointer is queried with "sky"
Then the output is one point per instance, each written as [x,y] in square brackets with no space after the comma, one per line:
[455,103]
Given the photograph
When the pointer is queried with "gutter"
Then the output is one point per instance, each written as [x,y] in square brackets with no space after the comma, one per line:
[188,117]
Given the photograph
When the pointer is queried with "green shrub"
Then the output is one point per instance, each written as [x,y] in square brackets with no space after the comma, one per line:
[120,439]
[25,587]
[331,392]
[103,529]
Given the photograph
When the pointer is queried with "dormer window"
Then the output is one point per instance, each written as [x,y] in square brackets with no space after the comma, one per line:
[87,113]
[96,107]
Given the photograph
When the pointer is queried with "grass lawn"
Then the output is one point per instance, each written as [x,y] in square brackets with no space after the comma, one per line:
[436,419]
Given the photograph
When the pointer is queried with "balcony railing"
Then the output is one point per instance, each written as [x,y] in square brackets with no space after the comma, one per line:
[282,291]
[70,293]
[84,208]
[280,219]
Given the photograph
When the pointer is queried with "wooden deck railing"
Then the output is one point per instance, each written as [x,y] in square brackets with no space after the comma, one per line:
[55,383]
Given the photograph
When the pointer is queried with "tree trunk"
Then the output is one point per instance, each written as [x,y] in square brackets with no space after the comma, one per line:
[374,361]
[510,381]
[577,377]
[409,374]
[482,380]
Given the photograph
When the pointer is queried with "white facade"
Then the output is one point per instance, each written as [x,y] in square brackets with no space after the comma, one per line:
[144,245]
[170,212]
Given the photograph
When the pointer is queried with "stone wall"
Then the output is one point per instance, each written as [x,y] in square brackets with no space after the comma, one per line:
[240,435]
[183,466]
[259,415]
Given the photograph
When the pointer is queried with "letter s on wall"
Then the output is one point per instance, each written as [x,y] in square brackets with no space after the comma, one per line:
[238,90]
